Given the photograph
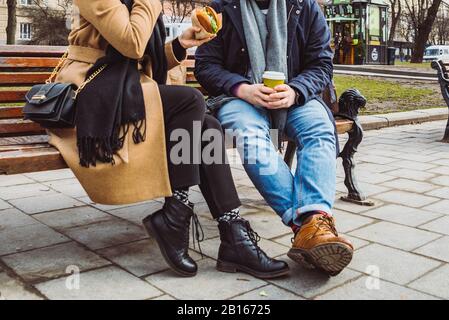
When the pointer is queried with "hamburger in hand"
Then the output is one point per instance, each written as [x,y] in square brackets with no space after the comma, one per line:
[208,20]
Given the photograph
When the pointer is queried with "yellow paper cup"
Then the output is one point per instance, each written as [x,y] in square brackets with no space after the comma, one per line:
[272,79]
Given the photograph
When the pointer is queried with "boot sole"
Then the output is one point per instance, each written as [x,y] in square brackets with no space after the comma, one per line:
[229,267]
[332,258]
[155,235]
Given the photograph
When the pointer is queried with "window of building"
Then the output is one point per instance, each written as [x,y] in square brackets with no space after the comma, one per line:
[25,31]
[26,2]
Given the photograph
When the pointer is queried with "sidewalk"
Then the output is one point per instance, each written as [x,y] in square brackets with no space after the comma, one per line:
[49,229]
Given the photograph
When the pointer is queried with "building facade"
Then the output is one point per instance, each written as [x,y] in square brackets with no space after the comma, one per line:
[24,31]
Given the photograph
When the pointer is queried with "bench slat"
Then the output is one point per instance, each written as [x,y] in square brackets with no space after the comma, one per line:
[10,127]
[10,112]
[28,62]
[8,96]
[31,51]
[31,160]
[24,140]
[14,78]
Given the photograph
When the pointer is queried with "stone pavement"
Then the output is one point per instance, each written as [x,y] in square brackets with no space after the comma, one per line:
[50,231]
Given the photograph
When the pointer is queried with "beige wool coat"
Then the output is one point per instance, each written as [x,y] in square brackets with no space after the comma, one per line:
[140,172]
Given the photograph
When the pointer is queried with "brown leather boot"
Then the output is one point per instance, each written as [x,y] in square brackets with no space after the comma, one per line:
[317,243]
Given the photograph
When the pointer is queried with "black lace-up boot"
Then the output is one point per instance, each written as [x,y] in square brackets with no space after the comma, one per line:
[170,228]
[239,251]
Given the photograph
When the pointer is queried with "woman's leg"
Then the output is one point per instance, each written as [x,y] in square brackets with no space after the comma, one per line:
[184,110]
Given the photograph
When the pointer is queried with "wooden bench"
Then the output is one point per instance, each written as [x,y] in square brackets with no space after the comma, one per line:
[442,68]
[24,145]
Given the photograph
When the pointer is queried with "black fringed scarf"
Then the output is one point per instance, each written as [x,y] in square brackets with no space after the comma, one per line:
[112,104]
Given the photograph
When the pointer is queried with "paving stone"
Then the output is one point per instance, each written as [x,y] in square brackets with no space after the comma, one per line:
[11,218]
[108,283]
[438,170]
[411,174]
[393,264]
[106,234]
[352,207]
[28,237]
[136,214]
[365,289]
[4,205]
[435,283]
[209,284]
[395,235]
[24,191]
[13,180]
[269,292]
[368,189]
[267,225]
[377,159]
[12,289]
[69,218]
[437,249]
[373,178]
[440,225]
[442,162]
[164,297]
[440,207]
[39,204]
[414,200]
[310,283]
[50,175]
[414,165]
[140,258]
[401,214]
[346,222]
[52,262]
[441,180]
[69,187]
[103,207]
[271,248]
[440,193]
[410,185]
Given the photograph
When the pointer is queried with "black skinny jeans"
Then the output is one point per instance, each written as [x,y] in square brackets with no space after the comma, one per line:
[182,106]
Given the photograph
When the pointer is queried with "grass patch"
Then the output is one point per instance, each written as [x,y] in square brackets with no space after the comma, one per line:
[390,95]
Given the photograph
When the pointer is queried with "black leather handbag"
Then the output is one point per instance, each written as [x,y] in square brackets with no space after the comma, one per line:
[53,105]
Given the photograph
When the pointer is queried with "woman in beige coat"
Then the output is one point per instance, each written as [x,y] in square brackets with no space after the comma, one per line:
[144,169]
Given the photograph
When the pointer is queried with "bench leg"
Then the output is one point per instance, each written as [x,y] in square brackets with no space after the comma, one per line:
[446,133]
[350,102]
[290,153]
[355,195]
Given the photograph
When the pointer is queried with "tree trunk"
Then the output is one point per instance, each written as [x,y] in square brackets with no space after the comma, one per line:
[12,22]
[396,12]
[423,32]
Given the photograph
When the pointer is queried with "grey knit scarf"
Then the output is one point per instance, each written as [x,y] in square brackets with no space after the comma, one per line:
[266,39]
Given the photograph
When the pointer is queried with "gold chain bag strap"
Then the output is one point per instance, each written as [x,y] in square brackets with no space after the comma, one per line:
[52,104]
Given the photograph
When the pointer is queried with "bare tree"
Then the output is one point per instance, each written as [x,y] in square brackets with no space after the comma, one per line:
[179,10]
[422,15]
[396,11]
[12,22]
[47,18]
[440,30]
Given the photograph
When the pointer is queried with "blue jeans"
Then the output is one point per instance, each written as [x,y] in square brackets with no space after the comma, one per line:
[312,186]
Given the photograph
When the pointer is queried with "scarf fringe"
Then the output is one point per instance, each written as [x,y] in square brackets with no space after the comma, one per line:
[91,149]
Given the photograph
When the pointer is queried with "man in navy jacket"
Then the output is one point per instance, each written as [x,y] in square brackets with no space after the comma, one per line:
[303,200]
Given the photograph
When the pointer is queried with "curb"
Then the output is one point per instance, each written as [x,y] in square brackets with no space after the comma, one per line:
[380,121]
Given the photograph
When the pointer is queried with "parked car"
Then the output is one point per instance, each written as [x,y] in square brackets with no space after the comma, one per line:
[433,53]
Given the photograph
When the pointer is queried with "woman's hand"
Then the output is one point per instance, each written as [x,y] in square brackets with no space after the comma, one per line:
[187,38]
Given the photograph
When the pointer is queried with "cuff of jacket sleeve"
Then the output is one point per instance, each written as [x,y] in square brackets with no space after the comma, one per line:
[172,59]
[232,83]
[304,96]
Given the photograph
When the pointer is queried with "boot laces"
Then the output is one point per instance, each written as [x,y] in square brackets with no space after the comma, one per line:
[197,233]
[326,223]
[254,237]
